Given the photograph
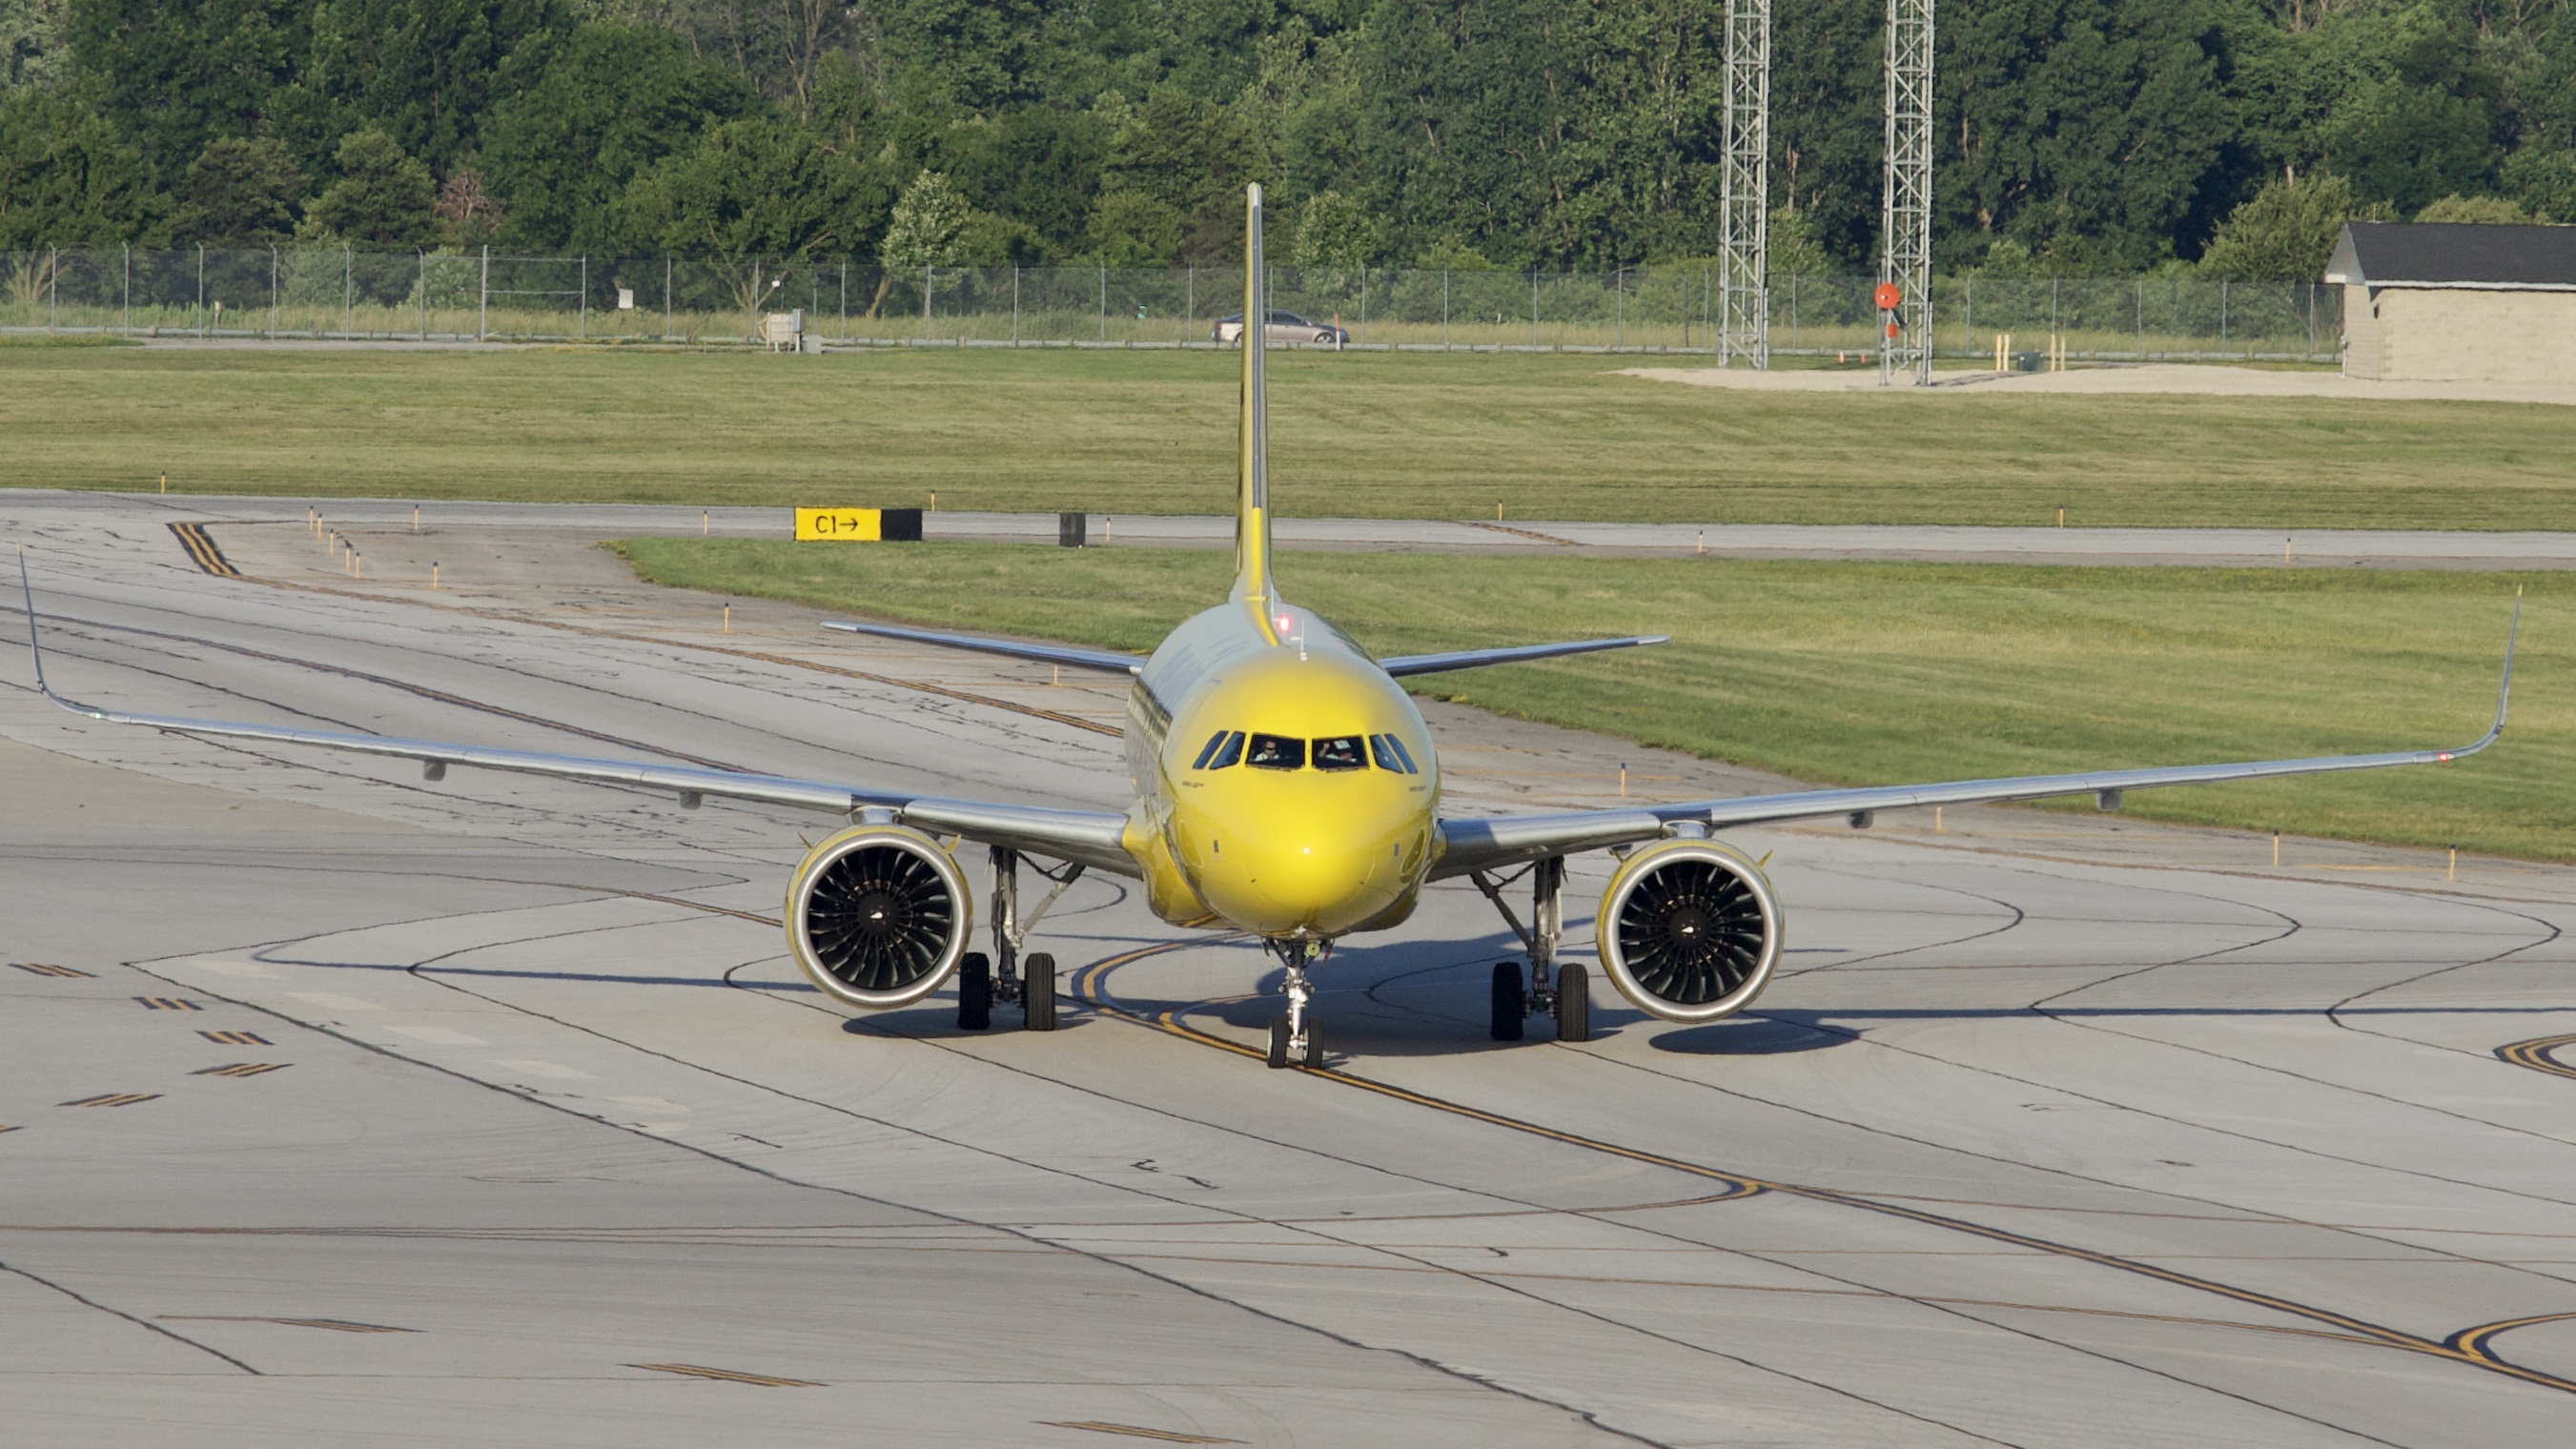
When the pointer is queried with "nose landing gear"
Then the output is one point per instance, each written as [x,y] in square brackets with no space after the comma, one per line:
[1293,1037]
[1563,992]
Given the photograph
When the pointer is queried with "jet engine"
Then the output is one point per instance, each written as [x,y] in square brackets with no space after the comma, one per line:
[878,916]
[1690,930]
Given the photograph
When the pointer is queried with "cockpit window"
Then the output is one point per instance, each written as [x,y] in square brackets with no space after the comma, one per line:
[1223,749]
[1340,752]
[1391,755]
[1275,752]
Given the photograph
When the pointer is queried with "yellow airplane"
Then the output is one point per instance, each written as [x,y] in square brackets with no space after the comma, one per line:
[1285,787]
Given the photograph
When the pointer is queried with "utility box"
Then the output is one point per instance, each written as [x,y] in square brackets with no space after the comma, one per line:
[899,525]
[1072,530]
[783,331]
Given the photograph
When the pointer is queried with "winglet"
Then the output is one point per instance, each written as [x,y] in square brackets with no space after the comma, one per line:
[2504,691]
[34,651]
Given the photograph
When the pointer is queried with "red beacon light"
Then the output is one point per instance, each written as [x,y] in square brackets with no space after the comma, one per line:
[1889,296]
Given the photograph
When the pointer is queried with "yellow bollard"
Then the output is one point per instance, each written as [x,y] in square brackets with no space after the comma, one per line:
[433,576]
[1703,542]
[415,518]
[2061,518]
[165,482]
[728,622]
[2276,848]
[934,500]
[704,527]
[357,565]
[1498,511]
[1623,779]
[1936,820]
[2455,864]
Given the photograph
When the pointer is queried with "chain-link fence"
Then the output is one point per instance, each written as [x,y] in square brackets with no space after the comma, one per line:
[490,296]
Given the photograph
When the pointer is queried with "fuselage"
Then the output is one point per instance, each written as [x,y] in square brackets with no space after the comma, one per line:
[1285,785]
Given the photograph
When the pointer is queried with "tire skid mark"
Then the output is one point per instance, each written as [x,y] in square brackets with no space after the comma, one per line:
[1089,986]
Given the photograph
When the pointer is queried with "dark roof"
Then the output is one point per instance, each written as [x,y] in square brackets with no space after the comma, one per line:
[2454,254]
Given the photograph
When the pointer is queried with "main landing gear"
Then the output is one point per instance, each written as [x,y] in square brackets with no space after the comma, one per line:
[1564,992]
[1293,1037]
[979,984]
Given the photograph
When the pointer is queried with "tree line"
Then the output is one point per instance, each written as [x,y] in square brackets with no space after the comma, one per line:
[2073,137]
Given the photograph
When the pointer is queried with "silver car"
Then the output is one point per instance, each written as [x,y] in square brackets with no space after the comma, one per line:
[1284,327]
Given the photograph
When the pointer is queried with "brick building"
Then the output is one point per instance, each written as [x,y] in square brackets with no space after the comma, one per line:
[2449,302]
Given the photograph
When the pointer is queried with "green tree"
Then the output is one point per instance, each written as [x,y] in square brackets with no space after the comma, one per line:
[1334,233]
[174,74]
[1191,156]
[33,48]
[760,187]
[2287,231]
[2087,129]
[69,177]
[583,116]
[2476,210]
[2544,179]
[421,71]
[241,193]
[383,198]
[1794,250]
[927,226]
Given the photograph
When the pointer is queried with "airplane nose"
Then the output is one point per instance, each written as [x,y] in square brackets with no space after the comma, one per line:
[1319,886]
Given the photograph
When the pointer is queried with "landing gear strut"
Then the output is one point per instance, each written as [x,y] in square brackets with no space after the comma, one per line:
[1293,1037]
[1562,992]
[982,981]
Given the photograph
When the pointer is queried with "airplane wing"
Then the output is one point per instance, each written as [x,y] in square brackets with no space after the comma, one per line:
[1073,655]
[1482,844]
[1093,837]
[1406,664]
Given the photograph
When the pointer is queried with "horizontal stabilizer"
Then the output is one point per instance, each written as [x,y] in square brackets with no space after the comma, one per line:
[1071,655]
[1405,664]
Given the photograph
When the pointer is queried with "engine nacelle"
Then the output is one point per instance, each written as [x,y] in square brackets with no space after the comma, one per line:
[878,916]
[1690,930]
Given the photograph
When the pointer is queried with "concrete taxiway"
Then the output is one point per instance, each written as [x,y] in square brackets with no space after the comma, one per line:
[344,1106]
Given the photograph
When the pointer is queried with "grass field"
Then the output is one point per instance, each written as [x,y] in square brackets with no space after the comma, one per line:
[1872,673]
[1377,435]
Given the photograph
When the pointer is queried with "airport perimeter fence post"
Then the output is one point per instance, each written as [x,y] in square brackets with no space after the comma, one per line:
[53,287]
[581,332]
[666,297]
[129,289]
[201,291]
[2222,313]
[1104,304]
[1189,303]
[1968,318]
[1533,309]
[2052,310]
[1015,304]
[348,291]
[423,258]
[928,275]
[483,303]
[845,299]
[2142,319]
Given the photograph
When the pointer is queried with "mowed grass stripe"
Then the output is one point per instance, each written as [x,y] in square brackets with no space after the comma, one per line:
[1872,673]
[1354,435]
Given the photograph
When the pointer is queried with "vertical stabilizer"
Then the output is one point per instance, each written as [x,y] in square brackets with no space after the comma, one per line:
[1252,495]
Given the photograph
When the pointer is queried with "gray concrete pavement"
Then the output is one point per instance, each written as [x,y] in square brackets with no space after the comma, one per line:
[2058,1130]
[504,523]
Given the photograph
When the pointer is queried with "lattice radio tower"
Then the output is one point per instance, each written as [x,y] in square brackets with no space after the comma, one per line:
[1905,209]
[1744,316]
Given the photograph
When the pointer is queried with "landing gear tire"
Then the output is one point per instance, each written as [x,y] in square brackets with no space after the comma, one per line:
[1279,1040]
[974,992]
[1314,1058]
[1037,992]
[1573,1004]
[1511,1001]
